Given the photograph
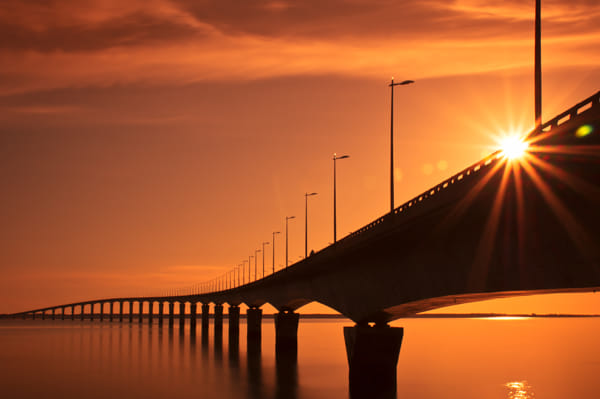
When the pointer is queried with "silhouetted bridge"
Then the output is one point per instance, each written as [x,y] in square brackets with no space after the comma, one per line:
[499,228]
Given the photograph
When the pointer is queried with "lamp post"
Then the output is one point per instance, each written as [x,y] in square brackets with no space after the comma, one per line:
[538,64]
[306,195]
[255,261]
[392,84]
[286,239]
[249,265]
[275,232]
[243,272]
[335,158]
[263,252]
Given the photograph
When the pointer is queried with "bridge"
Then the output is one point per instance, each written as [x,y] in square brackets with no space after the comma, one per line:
[501,227]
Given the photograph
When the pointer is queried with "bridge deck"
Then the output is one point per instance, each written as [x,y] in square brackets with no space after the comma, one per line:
[495,229]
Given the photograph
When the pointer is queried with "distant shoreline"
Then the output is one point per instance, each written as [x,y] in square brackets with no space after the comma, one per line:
[318,316]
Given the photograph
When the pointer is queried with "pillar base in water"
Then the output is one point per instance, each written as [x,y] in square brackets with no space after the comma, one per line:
[171,312]
[286,332]
[193,316]
[205,316]
[181,315]
[372,359]
[234,320]
[218,318]
[254,321]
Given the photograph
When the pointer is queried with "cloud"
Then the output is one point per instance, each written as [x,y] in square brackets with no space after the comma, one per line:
[56,44]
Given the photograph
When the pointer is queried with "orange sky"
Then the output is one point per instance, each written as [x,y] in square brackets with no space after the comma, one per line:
[149,145]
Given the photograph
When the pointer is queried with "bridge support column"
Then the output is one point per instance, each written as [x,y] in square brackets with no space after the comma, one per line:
[101,311]
[181,315]
[234,321]
[161,310]
[111,309]
[121,311]
[62,316]
[171,313]
[53,314]
[286,332]
[141,310]
[131,311]
[91,312]
[82,312]
[150,311]
[43,314]
[254,322]
[193,307]
[218,319]
[205,316]
[72,312]
[32,315]
[372,359]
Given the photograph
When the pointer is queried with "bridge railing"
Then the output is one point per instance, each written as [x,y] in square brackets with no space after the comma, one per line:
[585,105]
[568,115]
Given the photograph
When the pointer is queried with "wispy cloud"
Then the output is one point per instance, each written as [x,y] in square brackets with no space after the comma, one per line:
[52,44]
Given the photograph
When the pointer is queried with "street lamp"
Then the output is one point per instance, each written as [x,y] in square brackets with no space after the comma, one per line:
[286,239]
[335,158]
[244,273]
[275,232]
[392,84]
[306,195]
[263,251]
[249,265]
[255,261]
[538,64]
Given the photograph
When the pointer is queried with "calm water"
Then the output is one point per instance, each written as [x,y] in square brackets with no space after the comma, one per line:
[440,358]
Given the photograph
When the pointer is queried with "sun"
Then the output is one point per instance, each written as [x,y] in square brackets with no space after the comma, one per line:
[513,147]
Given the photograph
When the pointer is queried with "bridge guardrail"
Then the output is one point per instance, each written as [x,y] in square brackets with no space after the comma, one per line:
[592,102]
[578,109]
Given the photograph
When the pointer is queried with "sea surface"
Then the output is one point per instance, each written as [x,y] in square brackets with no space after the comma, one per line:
[440,358]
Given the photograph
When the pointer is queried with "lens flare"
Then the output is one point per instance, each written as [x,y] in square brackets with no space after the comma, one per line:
[583,131]
[513,147]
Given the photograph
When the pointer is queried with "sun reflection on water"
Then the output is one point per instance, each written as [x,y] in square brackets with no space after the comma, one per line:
[519,390]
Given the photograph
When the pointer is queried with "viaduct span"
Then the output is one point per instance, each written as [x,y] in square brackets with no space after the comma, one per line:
[498,228]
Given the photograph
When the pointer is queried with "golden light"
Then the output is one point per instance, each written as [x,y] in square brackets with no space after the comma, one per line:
[513,147]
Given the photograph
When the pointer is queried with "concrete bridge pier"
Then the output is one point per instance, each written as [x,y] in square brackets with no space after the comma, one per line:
[101,311]
[32,315]
[181,315]
[121,311]
[218,319]
[171,313]
[131,311]
[53,314]
[205,316]
[286,332]
[91,312]
[372,359]
[72,312]
[43,314]
[234,321]
[111,309]
[141,311]
[254,322]
[82,315]
[62,316]
[193,307]
[161,310]
[150,310]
